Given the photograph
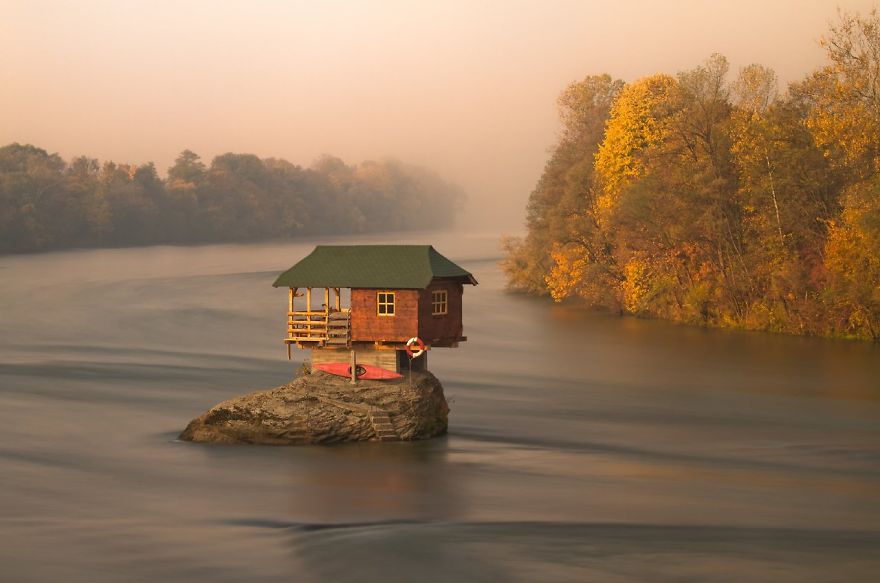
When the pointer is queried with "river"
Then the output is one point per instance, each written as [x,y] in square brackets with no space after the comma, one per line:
[581,446]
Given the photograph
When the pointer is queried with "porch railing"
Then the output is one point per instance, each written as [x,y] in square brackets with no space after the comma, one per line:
[325,328]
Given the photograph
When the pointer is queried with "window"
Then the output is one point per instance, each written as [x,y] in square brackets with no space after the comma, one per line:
[385,303]
[439,302]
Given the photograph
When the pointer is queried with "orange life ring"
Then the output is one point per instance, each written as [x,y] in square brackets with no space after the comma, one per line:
[409,350]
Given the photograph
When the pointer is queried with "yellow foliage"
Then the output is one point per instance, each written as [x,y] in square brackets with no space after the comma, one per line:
[639,120]
[843,127]
[636,285]
[757,212]
[845,96]
[852,257]
[755,88]
[567,272]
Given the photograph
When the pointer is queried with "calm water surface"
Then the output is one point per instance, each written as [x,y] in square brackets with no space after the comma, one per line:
[581,446]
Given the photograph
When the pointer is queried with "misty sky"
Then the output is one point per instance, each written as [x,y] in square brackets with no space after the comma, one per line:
[466,88]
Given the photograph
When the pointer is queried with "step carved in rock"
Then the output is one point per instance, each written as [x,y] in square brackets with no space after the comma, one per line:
[382,425]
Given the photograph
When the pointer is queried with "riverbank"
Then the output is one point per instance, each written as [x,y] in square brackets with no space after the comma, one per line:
[580,304]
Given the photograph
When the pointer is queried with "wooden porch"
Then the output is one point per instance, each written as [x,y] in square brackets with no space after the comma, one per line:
[310,328]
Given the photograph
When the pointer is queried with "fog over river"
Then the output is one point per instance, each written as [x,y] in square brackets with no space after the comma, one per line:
[582,446]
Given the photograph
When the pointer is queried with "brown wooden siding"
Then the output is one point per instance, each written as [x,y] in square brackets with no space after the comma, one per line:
[396,360]
[368,326]
[447,327]
[386,359]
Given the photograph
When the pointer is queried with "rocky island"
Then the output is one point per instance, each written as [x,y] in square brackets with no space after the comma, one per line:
[404,300]
[321,408]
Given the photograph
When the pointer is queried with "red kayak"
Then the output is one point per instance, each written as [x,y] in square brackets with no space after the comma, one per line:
[366,372]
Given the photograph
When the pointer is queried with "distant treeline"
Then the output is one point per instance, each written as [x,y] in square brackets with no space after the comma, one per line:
[47,203]
[687,198]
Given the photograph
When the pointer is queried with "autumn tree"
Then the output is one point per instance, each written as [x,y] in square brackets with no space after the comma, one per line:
[560,213]
[842,105]
[853,260]
[723,203]
[639,121]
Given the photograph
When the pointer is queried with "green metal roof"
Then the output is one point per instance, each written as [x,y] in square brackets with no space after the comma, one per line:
[372,266]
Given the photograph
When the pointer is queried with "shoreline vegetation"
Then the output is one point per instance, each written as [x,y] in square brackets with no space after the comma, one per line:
[49,204]
[692,199]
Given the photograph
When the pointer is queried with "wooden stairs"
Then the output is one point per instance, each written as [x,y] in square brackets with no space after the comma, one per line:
[338,329]
[382,425]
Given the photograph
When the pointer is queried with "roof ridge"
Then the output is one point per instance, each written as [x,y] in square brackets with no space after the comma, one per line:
[372,266]
[374,245]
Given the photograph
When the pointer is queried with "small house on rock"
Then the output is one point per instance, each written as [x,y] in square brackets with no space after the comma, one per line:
[397,292]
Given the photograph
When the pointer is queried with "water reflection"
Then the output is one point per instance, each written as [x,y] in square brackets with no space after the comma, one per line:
[374,481]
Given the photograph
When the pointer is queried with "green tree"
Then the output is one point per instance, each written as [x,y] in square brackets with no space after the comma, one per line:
[31,180]
[188,171]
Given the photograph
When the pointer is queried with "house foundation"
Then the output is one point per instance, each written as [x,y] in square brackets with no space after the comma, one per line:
[396,360]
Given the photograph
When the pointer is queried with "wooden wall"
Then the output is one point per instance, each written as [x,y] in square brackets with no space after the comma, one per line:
[368,326]
[396,360]
[386,359]
[447,327]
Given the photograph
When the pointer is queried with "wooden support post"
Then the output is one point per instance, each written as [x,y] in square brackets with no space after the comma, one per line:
[326,314]
[308,311]
[353,368]
[290,305]
[338,304]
